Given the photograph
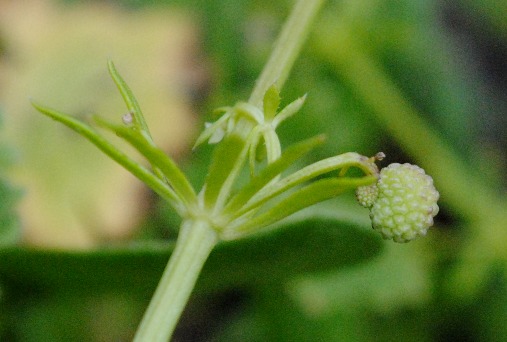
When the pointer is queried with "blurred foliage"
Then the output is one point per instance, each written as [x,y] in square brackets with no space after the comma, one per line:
[415,79]
[58,54]
[9,196]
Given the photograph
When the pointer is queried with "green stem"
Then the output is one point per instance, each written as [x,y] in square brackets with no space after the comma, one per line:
[197,238]
[195,242]
[227,185]
[274,149]
[278,66]
[286,49]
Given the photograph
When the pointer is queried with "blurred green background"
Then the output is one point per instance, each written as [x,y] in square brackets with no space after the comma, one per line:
[82,243]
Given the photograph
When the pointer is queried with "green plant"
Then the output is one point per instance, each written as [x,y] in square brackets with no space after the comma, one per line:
[9,195]
[224,210]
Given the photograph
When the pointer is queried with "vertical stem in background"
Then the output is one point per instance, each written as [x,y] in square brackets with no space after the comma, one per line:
[195,242]
[455,179]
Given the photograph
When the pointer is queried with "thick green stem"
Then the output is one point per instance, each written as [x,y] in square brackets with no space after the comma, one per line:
[195,242]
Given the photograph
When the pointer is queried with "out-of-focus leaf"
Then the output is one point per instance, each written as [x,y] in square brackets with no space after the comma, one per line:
[136,267]
[399,278]
[309,242]
[273,316]
[479,255]
[10,231]
[492,309]
[61,61]
[313,241]
[494,11]
[69,317]
[353,304]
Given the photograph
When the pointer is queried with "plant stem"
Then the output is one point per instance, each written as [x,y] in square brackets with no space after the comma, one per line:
[286,49]
[197,238]
[195,242]
[457,182]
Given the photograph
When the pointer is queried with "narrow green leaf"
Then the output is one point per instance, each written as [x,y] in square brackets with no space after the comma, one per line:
[128,97]
[143,174]
[288,158]
[271,102]
[291,109]
[138,121]
[224,167]
[311,194]
[346,160]
[157,158]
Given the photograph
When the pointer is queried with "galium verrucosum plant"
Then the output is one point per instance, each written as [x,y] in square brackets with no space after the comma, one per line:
[220,211]
[223,210]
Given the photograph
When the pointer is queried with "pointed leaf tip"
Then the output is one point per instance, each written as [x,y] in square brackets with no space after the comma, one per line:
[271,102]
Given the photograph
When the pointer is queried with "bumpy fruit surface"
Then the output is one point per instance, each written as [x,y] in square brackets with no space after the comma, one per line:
[406,203]
[366,195]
